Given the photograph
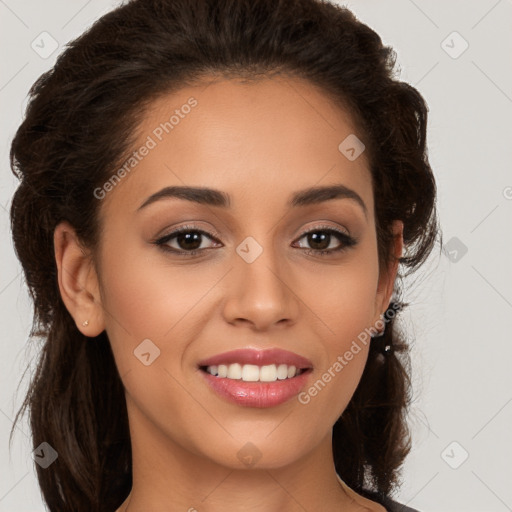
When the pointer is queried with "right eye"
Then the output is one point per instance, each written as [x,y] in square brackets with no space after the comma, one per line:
[188,239]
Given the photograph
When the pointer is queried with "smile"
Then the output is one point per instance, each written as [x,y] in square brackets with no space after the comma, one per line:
[256,378]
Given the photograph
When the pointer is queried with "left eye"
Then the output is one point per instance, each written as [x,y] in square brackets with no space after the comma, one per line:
[320,240]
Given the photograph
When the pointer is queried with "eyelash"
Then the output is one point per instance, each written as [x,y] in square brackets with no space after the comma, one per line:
[347,240]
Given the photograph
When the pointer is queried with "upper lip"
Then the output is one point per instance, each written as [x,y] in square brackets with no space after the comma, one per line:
[258,357]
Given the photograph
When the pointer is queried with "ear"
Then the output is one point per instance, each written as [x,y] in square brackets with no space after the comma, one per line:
[387,275]
[78,281]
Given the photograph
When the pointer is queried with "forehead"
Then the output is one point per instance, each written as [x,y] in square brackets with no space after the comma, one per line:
[265,138]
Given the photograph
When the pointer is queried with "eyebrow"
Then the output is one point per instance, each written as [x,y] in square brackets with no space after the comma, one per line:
[212,197]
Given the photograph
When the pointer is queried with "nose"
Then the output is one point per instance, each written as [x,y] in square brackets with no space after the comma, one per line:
[261,293]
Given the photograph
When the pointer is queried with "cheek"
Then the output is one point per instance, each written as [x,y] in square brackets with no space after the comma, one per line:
[144,298]
[343,296]
[344,301]
[147,300]
[138,291]
[348,312]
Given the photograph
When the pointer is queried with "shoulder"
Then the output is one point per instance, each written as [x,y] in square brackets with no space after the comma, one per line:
[393,506]
[368,502]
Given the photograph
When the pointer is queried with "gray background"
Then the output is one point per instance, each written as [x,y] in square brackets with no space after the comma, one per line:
[461,303]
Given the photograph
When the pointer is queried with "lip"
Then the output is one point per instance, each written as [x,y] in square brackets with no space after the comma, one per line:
[257,394]
[258,357]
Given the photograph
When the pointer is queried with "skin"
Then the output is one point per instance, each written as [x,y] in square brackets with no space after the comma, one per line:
[259,143]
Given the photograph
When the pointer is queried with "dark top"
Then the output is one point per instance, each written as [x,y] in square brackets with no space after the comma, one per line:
[393,506]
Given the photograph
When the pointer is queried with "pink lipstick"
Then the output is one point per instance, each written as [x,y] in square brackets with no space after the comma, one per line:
[256,378]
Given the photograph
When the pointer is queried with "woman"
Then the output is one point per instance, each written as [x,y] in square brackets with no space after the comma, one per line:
[217,199]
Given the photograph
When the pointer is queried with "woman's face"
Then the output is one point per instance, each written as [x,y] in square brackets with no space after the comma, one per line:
[254,281]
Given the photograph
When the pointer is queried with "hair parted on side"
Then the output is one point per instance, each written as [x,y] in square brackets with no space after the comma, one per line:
[79,125]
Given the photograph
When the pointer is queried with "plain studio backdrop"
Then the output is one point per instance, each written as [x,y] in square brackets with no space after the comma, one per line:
[458,54]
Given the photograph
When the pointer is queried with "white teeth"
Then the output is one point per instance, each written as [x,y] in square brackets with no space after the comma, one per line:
[234,371]
[268,373]
[252,372]
[282,372]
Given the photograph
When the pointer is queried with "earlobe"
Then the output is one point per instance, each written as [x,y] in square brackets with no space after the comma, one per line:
[78,281]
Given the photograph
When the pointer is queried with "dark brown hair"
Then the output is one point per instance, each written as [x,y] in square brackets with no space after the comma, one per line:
[79,125]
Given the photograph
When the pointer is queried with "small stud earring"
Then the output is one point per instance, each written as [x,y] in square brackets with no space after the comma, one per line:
[86,323]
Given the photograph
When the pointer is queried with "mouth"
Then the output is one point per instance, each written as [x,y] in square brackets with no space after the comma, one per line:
[256,378]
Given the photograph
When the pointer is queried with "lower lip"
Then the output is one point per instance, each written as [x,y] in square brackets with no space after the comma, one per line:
[257,394]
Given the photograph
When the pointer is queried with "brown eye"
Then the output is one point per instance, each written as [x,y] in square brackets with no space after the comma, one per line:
[187,239]
[320,239]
